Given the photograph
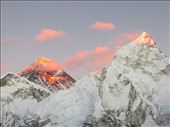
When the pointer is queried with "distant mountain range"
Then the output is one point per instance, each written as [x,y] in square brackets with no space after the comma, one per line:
[132,91]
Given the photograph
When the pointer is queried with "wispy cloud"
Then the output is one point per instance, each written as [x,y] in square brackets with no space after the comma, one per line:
[90,60]
[100,25]
[50,34]
[96,59]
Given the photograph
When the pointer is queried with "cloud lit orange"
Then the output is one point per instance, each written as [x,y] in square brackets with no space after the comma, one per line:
[91,60]
[103,25]
[49,34]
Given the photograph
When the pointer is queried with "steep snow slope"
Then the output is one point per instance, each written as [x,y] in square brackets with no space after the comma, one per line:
[136,83]
[140,65]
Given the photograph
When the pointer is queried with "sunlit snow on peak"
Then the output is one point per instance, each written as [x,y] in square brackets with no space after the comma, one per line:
[145,38]
[43,64]
[42,60]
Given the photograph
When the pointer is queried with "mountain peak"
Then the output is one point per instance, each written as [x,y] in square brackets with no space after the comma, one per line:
[48,73]
[43,64]
[145,38]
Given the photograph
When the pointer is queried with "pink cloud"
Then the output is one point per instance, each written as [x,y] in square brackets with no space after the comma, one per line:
[91,60]
[49,34]
[96,59]
[99,25]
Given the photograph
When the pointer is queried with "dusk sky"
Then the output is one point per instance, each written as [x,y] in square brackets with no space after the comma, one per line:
[81,36]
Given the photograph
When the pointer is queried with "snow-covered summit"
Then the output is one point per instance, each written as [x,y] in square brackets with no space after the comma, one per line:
[141,55]
[145,38]
[136,80]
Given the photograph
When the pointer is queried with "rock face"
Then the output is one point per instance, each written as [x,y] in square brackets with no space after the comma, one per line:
[49,74]
[132,91]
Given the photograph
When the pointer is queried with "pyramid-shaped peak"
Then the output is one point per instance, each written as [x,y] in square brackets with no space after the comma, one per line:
[145,38]
[48,73]
[43,64]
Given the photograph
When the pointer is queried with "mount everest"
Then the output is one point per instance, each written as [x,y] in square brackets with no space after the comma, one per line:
[48,73]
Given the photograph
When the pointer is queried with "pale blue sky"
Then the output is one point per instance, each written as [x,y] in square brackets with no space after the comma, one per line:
[22,21]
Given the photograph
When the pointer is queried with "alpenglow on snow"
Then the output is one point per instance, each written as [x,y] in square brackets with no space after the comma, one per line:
[49,74]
